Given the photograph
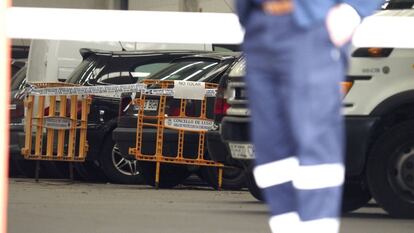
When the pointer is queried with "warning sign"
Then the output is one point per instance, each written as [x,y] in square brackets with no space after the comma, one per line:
[57,123]
[189,124]
[189,90]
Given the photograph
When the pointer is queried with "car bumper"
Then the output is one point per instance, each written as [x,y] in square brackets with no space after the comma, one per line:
[235,129]
[220,152]
[358,133]
[232,130]
[217,149]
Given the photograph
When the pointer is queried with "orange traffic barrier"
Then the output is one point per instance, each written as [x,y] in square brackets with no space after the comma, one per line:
[181,121]
[62,124]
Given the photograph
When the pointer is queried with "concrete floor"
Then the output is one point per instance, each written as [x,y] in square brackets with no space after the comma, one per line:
[61,206]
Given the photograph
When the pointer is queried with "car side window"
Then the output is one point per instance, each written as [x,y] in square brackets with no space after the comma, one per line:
[142,72]
[117,77]
[126,71]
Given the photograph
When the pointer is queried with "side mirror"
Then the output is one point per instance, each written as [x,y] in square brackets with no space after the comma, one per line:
[61,80]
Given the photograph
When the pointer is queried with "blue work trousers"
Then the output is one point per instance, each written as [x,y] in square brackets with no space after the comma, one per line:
[293,81]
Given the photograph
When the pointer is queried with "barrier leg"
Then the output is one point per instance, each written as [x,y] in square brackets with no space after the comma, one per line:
[157,175]
[220,177]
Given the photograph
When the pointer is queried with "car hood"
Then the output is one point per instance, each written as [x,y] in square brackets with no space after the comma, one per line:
[387,28]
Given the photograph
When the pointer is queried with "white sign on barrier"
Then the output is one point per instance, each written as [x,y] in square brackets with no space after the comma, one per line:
[189,123]
[189,90]
[57,122]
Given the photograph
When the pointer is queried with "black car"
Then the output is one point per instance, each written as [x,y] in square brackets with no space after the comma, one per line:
[112,68]
[18,165]
[233,116]
[210,68]
[16,108]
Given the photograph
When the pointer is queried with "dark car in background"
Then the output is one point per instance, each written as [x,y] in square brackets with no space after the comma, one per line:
[18,166]
[16,108]
[111,68]
[16,113]
[217,148]
[209,67]
[234,117]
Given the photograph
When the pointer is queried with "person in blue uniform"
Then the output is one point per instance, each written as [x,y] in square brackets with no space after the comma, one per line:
[294,68]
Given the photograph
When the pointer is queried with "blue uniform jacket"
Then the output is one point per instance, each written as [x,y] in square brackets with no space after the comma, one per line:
[310,12]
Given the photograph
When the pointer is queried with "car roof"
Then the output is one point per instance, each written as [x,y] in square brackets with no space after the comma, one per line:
[86,52]
[214,55]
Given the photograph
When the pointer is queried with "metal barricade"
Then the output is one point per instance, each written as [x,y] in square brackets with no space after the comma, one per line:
[55,118]
[181,122]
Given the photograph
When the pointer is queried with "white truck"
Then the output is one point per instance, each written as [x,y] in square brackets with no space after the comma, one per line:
[379,114]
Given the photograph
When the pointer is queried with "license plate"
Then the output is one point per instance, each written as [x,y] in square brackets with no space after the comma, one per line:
[151,105]
[242,150]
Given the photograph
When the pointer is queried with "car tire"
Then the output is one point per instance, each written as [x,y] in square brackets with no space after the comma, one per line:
[117,168]
[252,186]
[356,194]
[390,171]
[233,178]
[171,175]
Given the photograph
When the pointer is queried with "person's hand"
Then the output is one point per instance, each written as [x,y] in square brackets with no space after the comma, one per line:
[341,22]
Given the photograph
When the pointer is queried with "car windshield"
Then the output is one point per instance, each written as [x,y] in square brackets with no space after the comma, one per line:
[19,79]
[187,70]
[83,71]
[398,4]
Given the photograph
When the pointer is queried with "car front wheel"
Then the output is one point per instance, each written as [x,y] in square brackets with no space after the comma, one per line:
[118,168]
[390,171]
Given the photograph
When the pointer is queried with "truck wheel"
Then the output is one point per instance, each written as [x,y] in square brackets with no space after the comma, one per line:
[355,195]
[171,175]
[252,186]
[390,171]
[117,168]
